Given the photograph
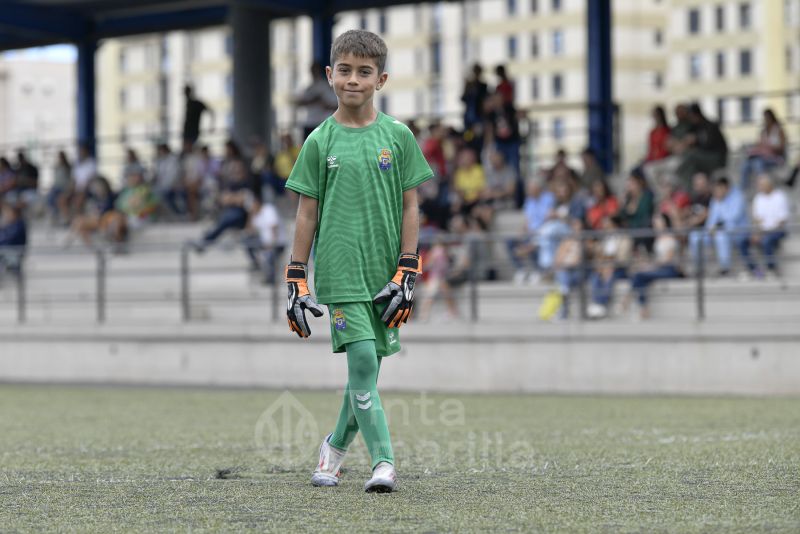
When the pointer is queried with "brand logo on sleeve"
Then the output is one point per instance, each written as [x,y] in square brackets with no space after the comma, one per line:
[332,162]
[385,159]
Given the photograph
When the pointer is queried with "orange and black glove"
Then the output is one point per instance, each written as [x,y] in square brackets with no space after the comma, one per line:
[300,299]
[400,291]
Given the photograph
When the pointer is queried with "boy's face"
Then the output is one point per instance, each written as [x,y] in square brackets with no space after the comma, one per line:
[355,80]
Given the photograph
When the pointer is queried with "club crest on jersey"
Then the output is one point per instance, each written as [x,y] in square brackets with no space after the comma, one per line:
[339,322]
[385,159]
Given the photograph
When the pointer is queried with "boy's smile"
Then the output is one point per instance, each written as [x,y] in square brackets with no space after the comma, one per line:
[355,80]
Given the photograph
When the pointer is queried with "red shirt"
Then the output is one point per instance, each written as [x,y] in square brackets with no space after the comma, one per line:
[680,199]
[432,150]
[506,89]
[657,148]
[605,208]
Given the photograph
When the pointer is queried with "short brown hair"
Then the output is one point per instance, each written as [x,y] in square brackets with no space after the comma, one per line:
[360,43]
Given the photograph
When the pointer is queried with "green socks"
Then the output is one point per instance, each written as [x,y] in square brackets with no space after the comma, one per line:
[361,406]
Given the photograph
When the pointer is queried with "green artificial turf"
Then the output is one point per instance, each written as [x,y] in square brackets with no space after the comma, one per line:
[149,459]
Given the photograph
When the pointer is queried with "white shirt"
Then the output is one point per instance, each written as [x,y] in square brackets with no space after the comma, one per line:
[83,172]
[265,222]
[771,210]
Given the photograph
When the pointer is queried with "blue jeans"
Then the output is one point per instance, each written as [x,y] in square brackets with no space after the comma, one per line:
[567,280]
[640,281]
[755,165]
[231,217]
[516,261]
[723,246]
[768,244]
[603,289]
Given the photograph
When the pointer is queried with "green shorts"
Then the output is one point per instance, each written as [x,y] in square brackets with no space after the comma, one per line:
[358,321]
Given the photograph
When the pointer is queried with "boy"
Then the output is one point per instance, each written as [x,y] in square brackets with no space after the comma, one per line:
[357,175]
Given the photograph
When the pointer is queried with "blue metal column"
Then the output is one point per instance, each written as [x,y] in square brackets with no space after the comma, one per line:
[323,37]
[252,94]
[600,76]
[86,93]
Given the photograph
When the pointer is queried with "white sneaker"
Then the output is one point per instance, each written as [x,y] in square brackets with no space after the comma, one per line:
[596,311]
[330,463]
[384,479]
[519,277]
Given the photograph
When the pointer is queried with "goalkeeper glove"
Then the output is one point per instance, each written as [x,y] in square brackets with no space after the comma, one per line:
[400,291]
[300,299]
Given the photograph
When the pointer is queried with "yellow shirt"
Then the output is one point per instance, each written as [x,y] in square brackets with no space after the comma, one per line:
[470,182]
[284,161]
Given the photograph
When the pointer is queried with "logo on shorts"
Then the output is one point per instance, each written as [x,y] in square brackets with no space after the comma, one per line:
[339,322]
[385,159]
[332,163]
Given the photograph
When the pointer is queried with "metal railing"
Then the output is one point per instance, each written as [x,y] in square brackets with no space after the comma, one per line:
[186,271]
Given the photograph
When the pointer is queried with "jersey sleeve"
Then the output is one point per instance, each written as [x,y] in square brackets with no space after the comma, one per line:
[304,178]
[415,168]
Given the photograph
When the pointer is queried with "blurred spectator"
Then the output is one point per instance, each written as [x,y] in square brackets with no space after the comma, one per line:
[469,181]
[284,162]
[437,266]
[568,264]
[567,207]
[539,203]
[674,202]
[592,170]
[59,194]
[771,212]
[8,180]
[471,256]
[602,204]
[318,99]
[707,149]
[132,165]
[27,178]
[657,162]
[560,167]
[167,179]
[135,206]
[726,225]
[505,87]
[267,239]
[678,140]
[501,180]
[637,208]
[193,113]
[433,149]
[611,259]
[474,96]
[768,153]
[236,198]
[193,168]
[697,212]
[261,169]
[99,201]
[82,173]
[13,237]
[666,263]
[505,129]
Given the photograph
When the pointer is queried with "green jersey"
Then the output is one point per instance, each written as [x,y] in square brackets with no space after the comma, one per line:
[358,176]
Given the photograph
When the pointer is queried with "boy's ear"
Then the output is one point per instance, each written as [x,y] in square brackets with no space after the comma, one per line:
[329,74]
[382,80]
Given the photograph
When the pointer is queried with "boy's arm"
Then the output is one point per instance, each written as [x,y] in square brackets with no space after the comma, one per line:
[306,227]
[409,237]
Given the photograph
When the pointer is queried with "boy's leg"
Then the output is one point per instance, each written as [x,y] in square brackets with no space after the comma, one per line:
[347,425]
[362,369]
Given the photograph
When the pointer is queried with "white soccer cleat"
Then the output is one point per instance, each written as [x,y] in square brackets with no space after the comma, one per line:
[330,463]
[384,479]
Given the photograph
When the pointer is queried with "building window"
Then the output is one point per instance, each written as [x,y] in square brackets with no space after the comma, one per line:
[229,45]
[535,88]
[511,6]
[512,47]
[694,21]
[658,80]
[720,61]
[658,38]
[745,15]
[534,128]
[745,63]
[558,128]
[436,57]
[123,135]
[719,18]
[534,45]
[746,108]
[382,28]
[694,66]
[534,6]
[721,111]
[556,5]
[123,98]
[229,85]
[123,60]
[363,21]
[558,86]
[385,104]
[558,42]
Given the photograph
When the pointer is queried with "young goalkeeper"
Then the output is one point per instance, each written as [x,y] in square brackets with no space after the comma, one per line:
[356,175]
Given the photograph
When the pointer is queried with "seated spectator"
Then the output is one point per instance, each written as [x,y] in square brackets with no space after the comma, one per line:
[433,149]
[726,225]
[771,212]
[696,214]
[135,206]
[8,179]
[768,153]
[27,184]
[568,206]
[132,165]
[674,202]
[59,194]
[13,237]
[568,264]
[267,239]
[539,203]
[193,179]
[235,199]
[501,181]
[637,208]
[84,170]
[656,164]
[434,282]
[612,256]
[592,171]
[560,167]
[666,263]
[168,180]
[602,204]
[469,182]
[707,149]
[284,162]
[99,201]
